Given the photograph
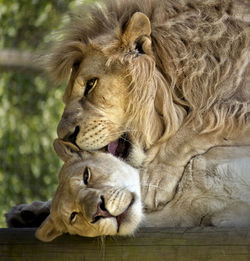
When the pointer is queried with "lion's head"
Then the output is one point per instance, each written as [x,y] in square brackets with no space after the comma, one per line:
[113,76]
[140,69]
[97,194]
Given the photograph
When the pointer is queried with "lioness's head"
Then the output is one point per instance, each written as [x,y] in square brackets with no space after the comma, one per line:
[112,102]
[98,194]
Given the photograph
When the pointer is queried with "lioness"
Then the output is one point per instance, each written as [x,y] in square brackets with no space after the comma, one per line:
[99,194]
[155,82]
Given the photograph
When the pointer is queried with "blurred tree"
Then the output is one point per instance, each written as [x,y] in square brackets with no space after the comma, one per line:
[29,107]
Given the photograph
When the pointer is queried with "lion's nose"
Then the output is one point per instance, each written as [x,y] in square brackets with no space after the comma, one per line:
[71,137]
[67,131]
[66,128]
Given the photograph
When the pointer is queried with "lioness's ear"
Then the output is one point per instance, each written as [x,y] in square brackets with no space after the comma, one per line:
[47,231]
[65,150]
[138,29]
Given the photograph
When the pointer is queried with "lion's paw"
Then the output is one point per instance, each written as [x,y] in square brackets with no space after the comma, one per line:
[28,215]
[158,186]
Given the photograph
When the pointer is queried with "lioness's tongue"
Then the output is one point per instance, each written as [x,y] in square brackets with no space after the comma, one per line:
[112,147]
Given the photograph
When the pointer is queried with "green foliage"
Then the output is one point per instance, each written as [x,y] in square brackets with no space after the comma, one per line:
[30,108]
[26,23]
[29,114]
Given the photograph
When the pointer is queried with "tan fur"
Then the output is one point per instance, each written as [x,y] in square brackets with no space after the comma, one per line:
[174,75]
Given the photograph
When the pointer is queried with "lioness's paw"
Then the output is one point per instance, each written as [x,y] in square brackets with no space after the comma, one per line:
[28,215]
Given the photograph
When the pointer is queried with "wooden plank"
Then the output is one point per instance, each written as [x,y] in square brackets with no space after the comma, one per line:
[148,244]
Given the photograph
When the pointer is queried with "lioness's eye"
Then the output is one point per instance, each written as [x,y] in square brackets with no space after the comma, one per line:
[86,175]
[73,216]
[90,85]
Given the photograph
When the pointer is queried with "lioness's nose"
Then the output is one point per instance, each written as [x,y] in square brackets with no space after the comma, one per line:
[101,212]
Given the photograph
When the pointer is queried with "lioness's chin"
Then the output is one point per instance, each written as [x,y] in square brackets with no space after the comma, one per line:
[128,228]
[131,221]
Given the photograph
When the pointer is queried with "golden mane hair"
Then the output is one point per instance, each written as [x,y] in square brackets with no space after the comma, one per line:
[198,62]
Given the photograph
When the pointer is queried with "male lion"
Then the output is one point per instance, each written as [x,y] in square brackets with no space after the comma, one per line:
[155,82]
[99,194]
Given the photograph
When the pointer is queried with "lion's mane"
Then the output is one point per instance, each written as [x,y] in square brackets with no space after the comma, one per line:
[198,63]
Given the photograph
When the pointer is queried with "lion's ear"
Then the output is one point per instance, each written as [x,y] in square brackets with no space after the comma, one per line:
[138,26]
[138,30]
[47,231]
[65,150]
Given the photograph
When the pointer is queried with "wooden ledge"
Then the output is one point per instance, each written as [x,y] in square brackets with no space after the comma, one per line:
[148,244]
